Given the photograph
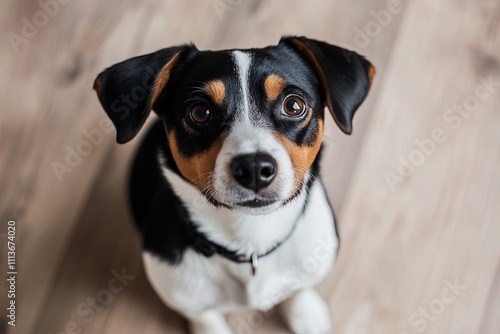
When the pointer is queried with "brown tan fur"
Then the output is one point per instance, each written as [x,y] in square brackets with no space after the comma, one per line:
[98,86]
[307,119]
[273,85]
[371,74]
[302,156]
[162,78]
[198,168]
[216,90]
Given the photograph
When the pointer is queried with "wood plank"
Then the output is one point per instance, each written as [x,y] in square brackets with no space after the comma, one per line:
[440,224]
[491,319]
[33,118]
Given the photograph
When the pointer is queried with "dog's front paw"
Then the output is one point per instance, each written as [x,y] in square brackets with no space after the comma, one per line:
[307,313]
[209,322]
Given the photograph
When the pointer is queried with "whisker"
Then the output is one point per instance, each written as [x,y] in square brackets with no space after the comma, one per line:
[182,189]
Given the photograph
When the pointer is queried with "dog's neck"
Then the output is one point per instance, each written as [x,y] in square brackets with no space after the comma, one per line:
[232,228]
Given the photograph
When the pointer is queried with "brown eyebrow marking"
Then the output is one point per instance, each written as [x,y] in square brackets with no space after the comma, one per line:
[216,90]
[273,85]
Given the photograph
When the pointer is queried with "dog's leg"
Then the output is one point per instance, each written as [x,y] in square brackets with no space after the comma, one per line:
[307,313]
[209,322]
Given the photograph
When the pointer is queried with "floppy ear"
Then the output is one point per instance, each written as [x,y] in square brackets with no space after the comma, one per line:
[128,90]
[345,76]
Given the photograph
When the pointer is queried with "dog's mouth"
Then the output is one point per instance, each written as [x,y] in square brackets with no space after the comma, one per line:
[256,203]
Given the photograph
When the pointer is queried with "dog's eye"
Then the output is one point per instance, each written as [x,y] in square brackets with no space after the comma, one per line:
[294,106]
[200,113]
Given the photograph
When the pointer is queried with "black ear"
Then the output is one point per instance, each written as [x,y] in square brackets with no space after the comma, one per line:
[345,76]
[128,90]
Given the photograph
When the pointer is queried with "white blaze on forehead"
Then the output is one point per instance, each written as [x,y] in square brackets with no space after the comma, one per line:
[246,135]
[243,60]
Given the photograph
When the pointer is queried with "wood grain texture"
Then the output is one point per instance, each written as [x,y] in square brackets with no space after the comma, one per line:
[439,224]
[400,248]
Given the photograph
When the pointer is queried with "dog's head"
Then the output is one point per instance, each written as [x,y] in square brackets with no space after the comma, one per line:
[243,126]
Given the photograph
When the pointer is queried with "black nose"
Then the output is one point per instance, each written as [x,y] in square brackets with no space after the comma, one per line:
[254,171]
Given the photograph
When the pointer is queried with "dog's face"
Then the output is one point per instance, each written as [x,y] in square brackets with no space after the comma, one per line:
[243,126]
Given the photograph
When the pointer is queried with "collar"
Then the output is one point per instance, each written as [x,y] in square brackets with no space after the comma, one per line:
[200,243]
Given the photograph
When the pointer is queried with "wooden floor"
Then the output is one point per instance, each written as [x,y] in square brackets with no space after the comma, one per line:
[420,246]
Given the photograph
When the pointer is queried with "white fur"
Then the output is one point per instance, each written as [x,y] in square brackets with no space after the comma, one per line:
[307,313]
[243,62]
[246,232]
[200,284]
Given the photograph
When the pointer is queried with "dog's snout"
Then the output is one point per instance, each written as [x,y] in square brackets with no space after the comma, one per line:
[254,171]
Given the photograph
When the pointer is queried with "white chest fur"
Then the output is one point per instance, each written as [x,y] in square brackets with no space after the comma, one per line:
[199,283]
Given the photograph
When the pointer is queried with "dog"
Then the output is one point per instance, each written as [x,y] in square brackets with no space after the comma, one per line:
[224,187]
